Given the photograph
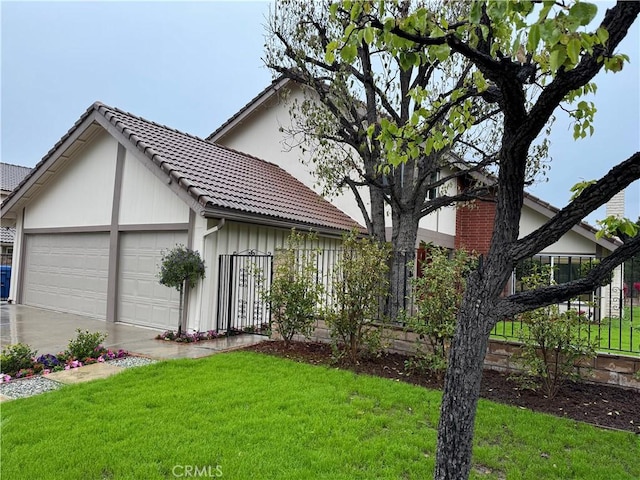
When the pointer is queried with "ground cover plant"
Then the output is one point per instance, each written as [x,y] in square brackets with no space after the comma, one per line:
[246,415]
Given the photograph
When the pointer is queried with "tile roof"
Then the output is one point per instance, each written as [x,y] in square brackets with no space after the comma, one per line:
[222,178]
[7,234]
[11,175]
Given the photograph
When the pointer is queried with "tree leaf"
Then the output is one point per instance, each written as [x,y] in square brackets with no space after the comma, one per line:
[476,12]
[441,52]
[583,12]
[573,50]
[603,35]
[557,57]
[534,38]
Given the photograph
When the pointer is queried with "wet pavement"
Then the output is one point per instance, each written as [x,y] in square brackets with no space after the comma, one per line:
[49,332]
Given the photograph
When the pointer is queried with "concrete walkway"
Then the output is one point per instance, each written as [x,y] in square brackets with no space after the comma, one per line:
[49,332]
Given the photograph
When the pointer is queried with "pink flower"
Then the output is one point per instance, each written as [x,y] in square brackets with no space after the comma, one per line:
[101,359]
[67,367]
[46,371]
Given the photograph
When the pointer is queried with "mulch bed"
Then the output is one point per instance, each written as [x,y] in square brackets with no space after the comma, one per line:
[601,405]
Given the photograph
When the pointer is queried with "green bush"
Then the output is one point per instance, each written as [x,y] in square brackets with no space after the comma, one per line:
[551,343]
[16,357]
[360,286]
[295,292]
[86,345]
[437,292]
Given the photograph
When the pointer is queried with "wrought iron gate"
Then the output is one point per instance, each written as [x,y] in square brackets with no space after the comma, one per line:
[242,279]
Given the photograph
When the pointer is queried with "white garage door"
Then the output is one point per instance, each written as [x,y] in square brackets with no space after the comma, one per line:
[141,299]
[67,272]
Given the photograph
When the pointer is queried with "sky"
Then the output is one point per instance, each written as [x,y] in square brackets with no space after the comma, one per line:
[192,65]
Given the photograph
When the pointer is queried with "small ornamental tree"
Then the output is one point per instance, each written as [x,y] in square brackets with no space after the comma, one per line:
[181,267]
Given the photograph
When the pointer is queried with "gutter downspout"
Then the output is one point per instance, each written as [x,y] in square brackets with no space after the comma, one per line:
[215,229]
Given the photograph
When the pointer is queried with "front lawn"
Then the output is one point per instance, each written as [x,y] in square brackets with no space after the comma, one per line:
[244,415]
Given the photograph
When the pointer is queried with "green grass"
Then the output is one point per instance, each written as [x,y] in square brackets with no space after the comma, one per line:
[256,416]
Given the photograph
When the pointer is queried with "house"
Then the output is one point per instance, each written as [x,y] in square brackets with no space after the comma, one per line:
[10,178]
[94,215]
[258,128]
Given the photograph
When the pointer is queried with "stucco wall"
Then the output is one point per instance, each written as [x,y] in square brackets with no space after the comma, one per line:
[81,193]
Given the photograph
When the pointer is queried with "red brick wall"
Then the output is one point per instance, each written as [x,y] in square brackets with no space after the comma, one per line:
[474,226]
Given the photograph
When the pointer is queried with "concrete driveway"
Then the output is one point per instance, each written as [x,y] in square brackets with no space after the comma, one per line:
[49,332]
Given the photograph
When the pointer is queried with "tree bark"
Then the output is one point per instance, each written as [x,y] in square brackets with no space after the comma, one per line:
[462,387]
[405,229]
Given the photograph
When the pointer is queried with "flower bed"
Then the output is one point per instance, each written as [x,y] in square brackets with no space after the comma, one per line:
[19,361]
[184,337]
[49,363]
[172,335]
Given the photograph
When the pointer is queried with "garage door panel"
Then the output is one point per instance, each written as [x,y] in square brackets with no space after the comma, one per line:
[141,298]
[67,272]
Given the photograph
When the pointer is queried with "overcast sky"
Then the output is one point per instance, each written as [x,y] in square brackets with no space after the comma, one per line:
[193,65]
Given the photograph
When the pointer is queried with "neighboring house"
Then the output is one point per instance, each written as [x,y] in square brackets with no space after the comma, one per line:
[93,216]
[258,129]
[10,178]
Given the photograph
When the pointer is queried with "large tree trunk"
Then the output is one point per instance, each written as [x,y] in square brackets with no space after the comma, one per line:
[405,230]
[462,385]
[377,215]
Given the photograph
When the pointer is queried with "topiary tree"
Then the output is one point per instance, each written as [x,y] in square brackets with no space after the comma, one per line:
[181,267]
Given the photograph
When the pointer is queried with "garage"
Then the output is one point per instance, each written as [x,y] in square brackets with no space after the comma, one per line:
[67,272]
[141,299]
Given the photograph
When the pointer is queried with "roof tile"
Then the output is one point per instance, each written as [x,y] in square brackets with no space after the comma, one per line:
[11,175]
[221,177]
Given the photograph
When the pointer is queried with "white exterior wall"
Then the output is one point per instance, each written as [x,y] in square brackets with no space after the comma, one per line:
[145,199]
[570,244]
[232,237]
[81,193]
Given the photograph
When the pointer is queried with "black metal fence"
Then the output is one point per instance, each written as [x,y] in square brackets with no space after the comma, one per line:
[611,313]
[242,279]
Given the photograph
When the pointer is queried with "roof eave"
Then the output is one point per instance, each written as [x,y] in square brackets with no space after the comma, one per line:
[7,210]
[262,98]
[268,221]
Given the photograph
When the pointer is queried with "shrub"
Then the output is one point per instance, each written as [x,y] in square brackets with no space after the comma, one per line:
[181,267]
[15,358]
[552,343]
[295,292]
[360,285]
[86,345]
[437,292]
